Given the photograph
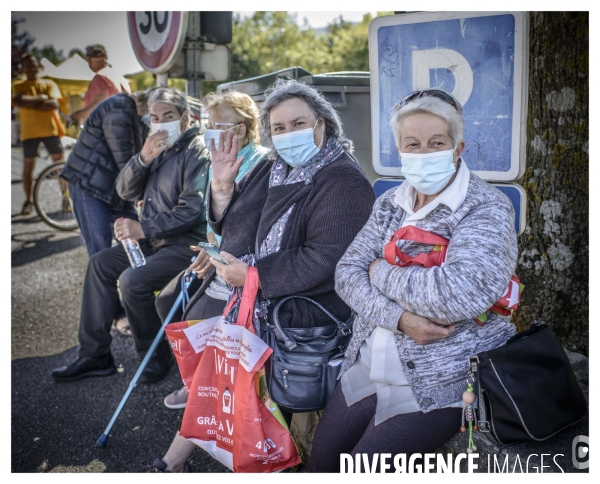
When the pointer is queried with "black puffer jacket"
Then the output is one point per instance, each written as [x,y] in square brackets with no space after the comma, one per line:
[172,189]
[112,134]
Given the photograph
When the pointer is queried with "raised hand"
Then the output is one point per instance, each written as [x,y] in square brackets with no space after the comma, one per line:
[154,145]
[225,162]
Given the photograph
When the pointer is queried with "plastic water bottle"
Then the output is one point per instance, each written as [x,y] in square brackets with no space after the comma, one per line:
[134,253]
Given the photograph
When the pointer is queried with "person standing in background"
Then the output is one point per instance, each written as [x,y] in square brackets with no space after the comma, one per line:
[104,84]
[37,100]
[112,135]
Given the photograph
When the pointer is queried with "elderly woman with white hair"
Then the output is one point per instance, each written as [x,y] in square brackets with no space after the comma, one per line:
[293,215]
[419,313]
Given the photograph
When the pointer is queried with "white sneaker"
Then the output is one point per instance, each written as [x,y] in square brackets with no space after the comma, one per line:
[177,399]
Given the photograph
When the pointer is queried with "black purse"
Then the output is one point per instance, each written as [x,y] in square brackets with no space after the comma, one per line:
[303,369]
[527,390]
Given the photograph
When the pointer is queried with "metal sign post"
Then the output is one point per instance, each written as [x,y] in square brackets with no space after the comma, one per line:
[202,60]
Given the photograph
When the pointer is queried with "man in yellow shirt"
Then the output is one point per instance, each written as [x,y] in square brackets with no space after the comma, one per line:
[37,100]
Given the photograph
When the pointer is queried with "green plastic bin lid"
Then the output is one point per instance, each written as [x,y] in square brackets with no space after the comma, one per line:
[258,85]
[343,78]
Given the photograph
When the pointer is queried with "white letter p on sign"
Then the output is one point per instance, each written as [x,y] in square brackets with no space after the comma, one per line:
[425,60]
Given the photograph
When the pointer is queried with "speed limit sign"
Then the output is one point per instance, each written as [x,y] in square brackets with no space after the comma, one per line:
[157,38]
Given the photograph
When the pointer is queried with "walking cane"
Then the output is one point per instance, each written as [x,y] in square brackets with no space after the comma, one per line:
[186,281]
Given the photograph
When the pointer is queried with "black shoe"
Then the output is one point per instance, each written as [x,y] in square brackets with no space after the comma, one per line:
[160,466]
[156,369]
[85,367]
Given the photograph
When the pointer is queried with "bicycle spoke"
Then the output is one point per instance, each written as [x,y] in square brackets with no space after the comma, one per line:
[52,200]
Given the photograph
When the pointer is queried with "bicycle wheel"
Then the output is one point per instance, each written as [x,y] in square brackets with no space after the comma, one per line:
[52,201]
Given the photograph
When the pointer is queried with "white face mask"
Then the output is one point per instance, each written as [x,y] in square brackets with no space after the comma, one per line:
[173,128]
[428,173]
[214,135]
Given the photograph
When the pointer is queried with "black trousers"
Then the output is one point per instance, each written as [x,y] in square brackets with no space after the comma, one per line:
[352,430]
[137,286]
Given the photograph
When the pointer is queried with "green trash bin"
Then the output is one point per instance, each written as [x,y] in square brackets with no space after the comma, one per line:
[348,92]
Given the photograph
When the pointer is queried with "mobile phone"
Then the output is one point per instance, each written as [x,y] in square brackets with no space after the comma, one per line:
[213,251]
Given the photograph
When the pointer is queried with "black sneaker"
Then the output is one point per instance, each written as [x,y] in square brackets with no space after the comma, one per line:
[84,368]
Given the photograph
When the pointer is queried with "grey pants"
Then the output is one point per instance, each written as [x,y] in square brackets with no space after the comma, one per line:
[137,286]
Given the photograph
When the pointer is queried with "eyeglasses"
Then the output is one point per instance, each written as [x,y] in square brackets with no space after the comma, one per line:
[223,126]
[444,96]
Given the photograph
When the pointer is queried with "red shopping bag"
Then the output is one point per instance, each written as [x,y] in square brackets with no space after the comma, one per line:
[224,414]
[187,340]
[182,343]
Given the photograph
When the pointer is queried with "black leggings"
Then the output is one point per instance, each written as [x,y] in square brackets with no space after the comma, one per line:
[352,430]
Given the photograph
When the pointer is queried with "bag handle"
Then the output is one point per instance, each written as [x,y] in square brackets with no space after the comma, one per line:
[248,297]
[410,232]
[290,343]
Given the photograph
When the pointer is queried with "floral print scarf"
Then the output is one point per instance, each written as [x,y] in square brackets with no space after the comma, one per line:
[281,174]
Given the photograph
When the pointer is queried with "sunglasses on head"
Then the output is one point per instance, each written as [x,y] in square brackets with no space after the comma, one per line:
[444,96]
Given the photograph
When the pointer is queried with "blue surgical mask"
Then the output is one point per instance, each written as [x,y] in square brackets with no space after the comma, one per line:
[214,134]
[146,119]
[298,147]
[428,173]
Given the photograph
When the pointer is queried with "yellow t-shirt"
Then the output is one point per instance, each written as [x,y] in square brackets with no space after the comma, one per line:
[36,123]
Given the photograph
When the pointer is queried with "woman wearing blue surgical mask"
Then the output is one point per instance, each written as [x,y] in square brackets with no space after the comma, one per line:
[422,275]
[292,216]
[237,113]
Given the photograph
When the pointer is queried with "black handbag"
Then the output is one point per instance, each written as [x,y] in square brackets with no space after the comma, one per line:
[303,369]
[527,390]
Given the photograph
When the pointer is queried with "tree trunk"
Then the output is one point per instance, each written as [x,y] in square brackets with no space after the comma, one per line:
[553,250]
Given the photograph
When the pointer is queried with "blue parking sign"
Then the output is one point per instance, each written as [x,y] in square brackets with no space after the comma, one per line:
[479,57]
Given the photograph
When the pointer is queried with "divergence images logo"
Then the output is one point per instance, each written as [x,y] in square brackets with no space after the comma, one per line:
[581,452]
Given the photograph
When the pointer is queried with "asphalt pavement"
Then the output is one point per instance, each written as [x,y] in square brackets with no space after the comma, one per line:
[54,427]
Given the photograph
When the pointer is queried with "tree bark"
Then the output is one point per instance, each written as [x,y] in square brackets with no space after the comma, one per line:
[554,249]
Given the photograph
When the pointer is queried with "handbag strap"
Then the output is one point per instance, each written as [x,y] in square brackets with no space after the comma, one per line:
[249,293]
[425,259]
[290,343]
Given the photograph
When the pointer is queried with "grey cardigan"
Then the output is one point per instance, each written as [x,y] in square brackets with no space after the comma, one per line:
[481,258]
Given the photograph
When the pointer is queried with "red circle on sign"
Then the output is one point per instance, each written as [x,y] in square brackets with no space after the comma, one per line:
[157,61]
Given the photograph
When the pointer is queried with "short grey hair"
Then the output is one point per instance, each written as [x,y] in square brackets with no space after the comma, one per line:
[285,89]
[142,97]
[430,105]
[171,96]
